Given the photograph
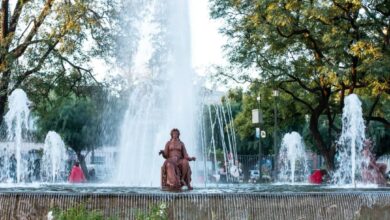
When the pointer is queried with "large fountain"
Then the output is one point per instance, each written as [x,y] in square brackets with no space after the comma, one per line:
[164,96]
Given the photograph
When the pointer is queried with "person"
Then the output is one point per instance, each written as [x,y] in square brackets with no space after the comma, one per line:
[76,174]
[223,174]
[176,167]
[92,175]
[317,176]
[12,168]
[372,172]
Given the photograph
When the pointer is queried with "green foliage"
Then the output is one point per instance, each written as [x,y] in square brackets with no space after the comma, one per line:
[79,212]
[157,212]
[77,119]
[316,52]
[49,43]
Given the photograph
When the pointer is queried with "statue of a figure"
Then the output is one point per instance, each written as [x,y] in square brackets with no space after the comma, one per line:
[176,171]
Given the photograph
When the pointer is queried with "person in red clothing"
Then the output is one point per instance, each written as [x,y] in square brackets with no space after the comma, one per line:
[77,174]
[317,176]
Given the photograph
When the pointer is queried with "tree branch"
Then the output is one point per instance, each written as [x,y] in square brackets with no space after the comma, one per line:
[16,15]
[295,32]
[302,84]
[379,119]
[4,19]
[296,97]
[25,30]
[377,98]
[39,66]
[18,51]
[77,67]
[306,34]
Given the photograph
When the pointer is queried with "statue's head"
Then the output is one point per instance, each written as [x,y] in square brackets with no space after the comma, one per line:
[175,133]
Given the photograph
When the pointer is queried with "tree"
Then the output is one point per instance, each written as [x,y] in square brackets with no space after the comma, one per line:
[51,38]
[317,52]
[77,120]
[87,116]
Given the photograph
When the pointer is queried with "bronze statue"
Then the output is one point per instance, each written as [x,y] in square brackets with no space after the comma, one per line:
[176,171]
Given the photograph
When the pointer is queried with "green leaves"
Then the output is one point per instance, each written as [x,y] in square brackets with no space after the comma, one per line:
[316,52]
[157,212]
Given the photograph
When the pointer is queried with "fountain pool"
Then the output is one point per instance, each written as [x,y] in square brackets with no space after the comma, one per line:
[233,188]
[229,201]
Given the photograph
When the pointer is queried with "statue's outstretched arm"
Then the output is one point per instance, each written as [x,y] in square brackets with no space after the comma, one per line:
[163,154]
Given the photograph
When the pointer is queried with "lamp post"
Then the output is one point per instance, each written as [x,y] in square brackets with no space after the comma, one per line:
[257,120]
[260,121]
[275,94]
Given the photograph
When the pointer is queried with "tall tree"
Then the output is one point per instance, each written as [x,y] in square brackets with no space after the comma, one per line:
[323,49]
[51,38]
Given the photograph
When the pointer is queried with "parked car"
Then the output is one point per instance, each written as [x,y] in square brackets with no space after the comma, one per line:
[254,176]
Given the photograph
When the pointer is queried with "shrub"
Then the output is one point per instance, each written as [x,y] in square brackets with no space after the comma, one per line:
[157,212]
[78,212]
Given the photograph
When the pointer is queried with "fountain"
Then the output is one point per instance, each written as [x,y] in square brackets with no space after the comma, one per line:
[164,96]
[21,162]
[53,165]
[17,121]
[220,118]
[350,143]
[292,159]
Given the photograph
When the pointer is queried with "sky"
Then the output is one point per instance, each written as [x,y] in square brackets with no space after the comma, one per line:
[207,42]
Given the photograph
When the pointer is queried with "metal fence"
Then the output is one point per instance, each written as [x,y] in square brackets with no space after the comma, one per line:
[266,166]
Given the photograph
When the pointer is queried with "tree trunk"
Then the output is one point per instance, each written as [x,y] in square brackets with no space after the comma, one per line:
[83,165]
[3,102]
[4,83]
[4,70]
[4,18]
[327,152]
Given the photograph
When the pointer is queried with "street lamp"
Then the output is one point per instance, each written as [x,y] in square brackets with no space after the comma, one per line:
[260,117]
[275,94]
[257,120]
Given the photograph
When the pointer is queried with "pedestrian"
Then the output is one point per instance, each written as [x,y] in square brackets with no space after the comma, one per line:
[76,174]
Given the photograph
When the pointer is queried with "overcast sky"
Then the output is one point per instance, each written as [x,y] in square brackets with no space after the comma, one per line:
[206,41]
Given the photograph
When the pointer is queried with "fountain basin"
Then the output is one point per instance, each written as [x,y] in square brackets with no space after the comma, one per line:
[222,202]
